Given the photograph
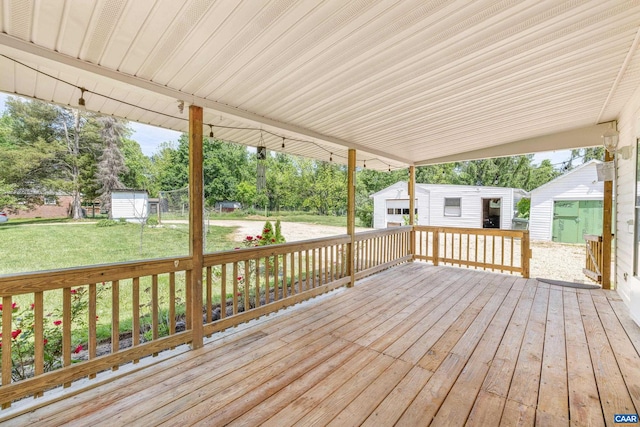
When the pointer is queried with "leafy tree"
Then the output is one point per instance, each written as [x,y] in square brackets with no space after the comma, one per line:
[139,168]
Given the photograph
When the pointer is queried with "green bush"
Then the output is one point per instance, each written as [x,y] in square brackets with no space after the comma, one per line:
[152,221]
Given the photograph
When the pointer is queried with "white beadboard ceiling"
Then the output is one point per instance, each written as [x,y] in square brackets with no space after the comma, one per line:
[401,81]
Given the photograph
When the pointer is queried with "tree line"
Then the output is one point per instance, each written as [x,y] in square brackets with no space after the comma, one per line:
[45,148]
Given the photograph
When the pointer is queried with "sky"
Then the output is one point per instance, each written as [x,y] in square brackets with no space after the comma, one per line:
[150,138]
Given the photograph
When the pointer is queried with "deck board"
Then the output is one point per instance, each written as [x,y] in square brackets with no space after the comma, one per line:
[413,345]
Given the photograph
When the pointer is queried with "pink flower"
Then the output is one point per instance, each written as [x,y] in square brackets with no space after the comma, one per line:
[239,294]
[78,349]
[266,230]
[45,341]
[57,322]
[249,238]
[14,334]
[14,306]
[239,278]
[0,307]
[235,249]
[33,306]
[273,240]
[259,237]
[74,291]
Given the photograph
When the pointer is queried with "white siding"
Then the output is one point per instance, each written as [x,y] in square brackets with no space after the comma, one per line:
[579,184]
[430,204]
[130,205]
[627,284]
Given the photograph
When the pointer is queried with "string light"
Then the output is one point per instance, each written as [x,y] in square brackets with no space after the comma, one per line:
[365,164]
[82,103]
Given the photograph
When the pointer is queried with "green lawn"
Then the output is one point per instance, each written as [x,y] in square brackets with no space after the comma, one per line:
[43,246]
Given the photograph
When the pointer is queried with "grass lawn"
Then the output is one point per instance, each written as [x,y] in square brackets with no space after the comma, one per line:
[51,246]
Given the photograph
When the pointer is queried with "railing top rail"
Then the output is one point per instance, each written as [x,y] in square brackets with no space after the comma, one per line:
[592,238]
[364,235]
[479,231]
[23,283]
[243,254]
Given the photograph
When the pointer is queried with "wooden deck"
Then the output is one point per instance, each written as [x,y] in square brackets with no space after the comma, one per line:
[414,345]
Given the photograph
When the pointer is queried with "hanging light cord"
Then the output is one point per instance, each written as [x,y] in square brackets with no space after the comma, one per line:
[83,90]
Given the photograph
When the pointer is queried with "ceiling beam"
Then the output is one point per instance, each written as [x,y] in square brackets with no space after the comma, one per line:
[224,110]
[589,136]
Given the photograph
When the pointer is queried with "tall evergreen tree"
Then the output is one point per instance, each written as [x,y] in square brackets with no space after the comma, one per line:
[111,163]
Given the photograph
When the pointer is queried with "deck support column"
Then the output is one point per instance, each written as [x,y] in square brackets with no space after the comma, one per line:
[606,228]
[351,215]
[412,210]
[196,250]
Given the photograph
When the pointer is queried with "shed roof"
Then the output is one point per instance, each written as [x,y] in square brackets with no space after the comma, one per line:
[403,82]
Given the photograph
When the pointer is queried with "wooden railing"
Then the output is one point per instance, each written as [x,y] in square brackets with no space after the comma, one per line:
[593,267]
[488,249]
[50,335]
[256,281]
[380,249]
[50,321]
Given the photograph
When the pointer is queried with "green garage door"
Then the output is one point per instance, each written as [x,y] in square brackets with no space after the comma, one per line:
[574,218]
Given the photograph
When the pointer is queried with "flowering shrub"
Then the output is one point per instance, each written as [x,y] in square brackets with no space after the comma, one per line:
[269,236]
[23,334]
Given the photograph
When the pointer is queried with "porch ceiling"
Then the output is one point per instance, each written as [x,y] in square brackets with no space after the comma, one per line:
[405,82]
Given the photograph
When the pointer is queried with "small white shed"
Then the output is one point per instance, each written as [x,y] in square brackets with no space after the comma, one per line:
[565,209]
[447,205]
[132,205]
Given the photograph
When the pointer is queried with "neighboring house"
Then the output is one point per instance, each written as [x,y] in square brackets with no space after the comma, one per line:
[565,209]
[49,205]
[447,205]
[132,205]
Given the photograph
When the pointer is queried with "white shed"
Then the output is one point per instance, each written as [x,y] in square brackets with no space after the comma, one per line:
[565,209]
[132,205]
[447,205]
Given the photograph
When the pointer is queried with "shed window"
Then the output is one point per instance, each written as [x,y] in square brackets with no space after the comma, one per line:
[390,211]
[452,206]
[50,200]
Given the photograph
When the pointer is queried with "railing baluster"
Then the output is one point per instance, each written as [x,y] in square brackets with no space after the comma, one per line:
[172,301]
[247,286]
[307,261]
[115,319]
[276,278]
[257,270]
[135,297]
[267,284]
[209,286]
[235,288]
[6,344]
[223,291]
[285,292]
[93,314]
[38,321]
[155,321]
